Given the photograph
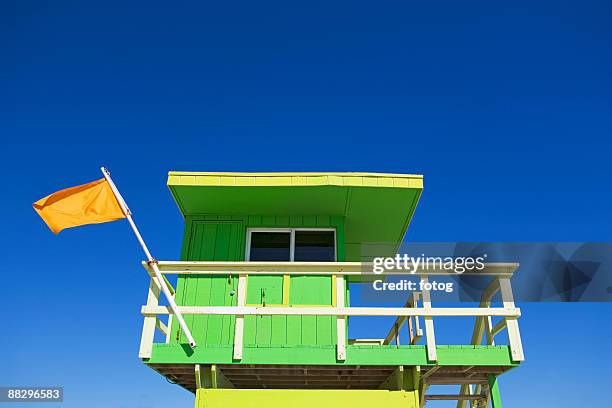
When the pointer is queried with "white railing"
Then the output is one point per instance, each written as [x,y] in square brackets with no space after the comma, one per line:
[355,271]
[485,329]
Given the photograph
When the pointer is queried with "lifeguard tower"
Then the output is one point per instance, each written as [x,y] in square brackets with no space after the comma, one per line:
[266,266]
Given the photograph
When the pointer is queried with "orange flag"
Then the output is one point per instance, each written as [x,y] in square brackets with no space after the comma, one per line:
[90,203]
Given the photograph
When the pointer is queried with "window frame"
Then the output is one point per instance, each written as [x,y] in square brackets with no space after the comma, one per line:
[291,231]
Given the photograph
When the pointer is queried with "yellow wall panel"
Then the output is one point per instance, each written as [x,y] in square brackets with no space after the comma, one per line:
[243,398]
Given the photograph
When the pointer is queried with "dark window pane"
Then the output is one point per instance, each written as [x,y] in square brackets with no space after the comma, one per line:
[270,246]
[314,246]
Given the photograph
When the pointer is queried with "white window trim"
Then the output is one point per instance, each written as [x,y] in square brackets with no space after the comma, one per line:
[291,240]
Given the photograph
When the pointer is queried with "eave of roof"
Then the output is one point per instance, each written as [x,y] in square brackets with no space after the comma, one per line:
[377,207]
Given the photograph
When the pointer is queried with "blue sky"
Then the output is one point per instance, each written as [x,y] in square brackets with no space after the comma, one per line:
[506,110]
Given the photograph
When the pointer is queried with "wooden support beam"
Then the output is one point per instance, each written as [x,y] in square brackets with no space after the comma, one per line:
[499,326]
[471,391]
[485,303]
[395,381]
[477,391]
[161,326]
[453,397]
[219,378]
[210,376]
[416,378]
[422,391]
[399,321]
[487,392]
[429,372]
[414,330]
[402,378]
[211,372]
[199,376]
[453,380]
[411,333]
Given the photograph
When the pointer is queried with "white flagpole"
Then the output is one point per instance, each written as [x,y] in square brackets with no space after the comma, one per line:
[151,261]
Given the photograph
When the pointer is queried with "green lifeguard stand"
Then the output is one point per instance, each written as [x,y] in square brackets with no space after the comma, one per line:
[263,283]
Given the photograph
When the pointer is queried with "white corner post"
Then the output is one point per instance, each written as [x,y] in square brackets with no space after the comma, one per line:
[341,320]
[514,335]
[239,326]
[430,336]
[148,328]
[151,261]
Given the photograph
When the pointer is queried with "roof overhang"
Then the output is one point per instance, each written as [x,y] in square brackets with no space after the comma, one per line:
[376,207]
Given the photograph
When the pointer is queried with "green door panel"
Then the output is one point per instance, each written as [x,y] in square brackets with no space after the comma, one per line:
[264,289]
[210,241]
[310,290]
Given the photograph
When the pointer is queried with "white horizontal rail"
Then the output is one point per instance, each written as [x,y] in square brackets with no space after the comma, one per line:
[316,268]
[335,311]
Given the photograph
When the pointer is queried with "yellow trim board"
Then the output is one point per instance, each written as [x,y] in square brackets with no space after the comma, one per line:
[389,180]
[286,288]
[333,289]
[289,173]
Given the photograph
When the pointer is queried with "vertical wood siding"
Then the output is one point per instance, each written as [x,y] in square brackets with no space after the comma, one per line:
[223,238]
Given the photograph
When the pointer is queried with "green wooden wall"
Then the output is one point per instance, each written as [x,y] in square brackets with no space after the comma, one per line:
[223,238]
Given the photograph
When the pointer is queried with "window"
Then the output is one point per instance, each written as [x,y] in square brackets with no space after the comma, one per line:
[300,245]
[270,246]
[290,245]
[314,246]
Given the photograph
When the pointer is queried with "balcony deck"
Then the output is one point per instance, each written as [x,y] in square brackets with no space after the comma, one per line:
[303,376]
[346,364]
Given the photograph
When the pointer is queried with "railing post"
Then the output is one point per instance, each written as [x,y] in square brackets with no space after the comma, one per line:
[148,327]
[397,336]
[239,326]
[514,335]
[340,320]
[169,334]
[489,330]
[430,335]
[418,332]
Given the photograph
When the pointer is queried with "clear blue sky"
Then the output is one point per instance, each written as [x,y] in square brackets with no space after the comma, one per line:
[506,110]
